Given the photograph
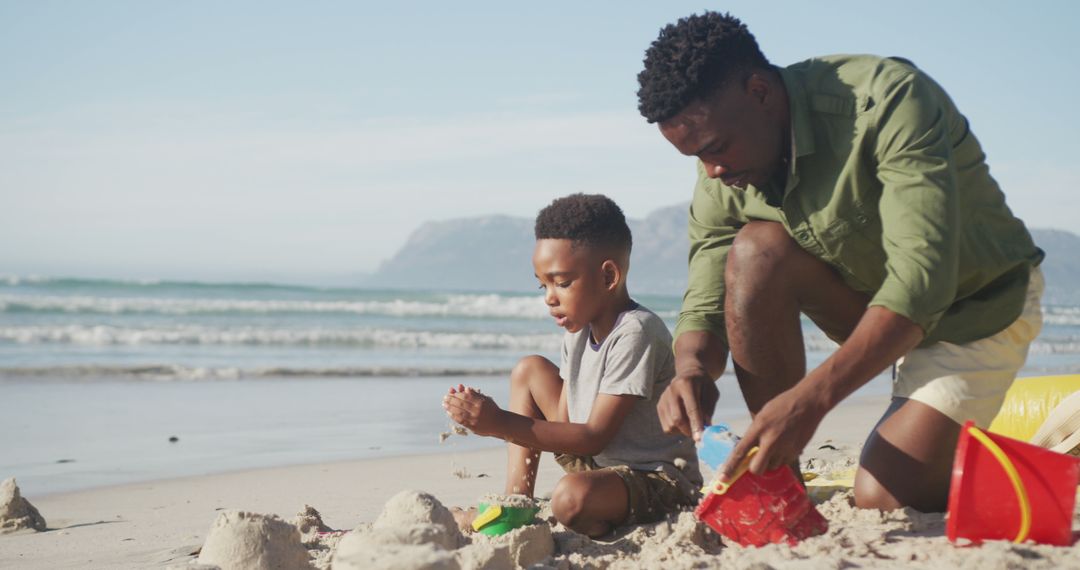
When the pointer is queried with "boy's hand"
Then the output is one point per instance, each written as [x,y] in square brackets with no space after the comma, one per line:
[473,410]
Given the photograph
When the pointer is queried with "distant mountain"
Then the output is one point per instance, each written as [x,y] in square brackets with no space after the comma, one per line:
[493,253]
[1061,267]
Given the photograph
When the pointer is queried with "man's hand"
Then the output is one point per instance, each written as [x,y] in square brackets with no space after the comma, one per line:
[473,410]
[780,430]
[687,405]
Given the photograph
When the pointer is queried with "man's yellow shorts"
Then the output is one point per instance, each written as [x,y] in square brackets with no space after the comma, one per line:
[969,381]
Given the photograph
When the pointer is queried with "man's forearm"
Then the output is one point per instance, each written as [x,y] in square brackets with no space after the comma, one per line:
[880,338]
[699,353]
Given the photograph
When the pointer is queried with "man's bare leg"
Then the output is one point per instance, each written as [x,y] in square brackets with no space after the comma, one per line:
[907,460]
[769,280]
[535,387]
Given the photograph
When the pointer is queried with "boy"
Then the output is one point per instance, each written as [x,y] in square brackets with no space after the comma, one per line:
[597,410]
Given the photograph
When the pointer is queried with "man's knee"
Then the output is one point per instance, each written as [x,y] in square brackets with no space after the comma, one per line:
[870,494]
[760,247]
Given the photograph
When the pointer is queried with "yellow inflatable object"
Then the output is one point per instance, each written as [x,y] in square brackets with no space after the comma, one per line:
[822,486]
[1028,403]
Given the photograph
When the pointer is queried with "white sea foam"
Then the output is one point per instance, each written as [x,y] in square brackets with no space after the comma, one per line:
[106,335]
[491,305]
[1062,316]
[168,372]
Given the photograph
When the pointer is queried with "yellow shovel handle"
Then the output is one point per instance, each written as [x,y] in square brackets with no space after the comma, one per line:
[1014,478]
[721,487]
[488,516]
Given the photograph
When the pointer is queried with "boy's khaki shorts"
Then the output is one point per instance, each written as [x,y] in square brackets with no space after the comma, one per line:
[969,381]
[653,494]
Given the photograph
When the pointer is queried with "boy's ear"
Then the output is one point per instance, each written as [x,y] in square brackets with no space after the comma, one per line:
[612,274]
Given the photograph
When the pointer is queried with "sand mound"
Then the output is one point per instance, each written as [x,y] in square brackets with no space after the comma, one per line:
[248,541]
[517,501]
[16,513]
[416,547]
[409,508]
[526,546]
[678,542]
[309,522]
[354,556]
[484,557]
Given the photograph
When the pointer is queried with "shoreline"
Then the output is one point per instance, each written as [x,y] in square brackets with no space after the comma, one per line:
[161,522]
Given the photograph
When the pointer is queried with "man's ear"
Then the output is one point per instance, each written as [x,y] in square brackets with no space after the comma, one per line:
[612,274]
[758,86]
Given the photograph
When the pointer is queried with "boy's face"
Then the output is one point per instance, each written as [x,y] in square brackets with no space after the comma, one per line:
[572,280]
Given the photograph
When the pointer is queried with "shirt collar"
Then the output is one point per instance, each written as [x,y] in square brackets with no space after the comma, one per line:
[802,139]
[802,134]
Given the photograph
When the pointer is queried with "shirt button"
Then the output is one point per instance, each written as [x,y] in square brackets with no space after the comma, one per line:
[861,219]
[801,236]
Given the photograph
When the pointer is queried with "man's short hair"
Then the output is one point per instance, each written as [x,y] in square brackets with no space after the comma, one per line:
[693,57]
[589,220]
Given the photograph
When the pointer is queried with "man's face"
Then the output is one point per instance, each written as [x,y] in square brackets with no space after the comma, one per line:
[572,280]
[738,132]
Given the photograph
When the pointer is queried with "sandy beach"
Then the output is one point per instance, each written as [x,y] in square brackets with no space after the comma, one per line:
[164,523]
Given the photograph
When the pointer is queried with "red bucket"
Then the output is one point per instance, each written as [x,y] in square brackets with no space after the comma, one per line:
[1005,489]
[756,510]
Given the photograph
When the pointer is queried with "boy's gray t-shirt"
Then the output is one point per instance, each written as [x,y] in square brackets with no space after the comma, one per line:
[635,359]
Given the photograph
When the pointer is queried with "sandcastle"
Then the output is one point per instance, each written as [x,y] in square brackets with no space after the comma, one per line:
[240,540]
[16,513]
[416,531]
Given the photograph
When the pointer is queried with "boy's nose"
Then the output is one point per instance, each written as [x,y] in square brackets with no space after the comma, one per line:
[549,297]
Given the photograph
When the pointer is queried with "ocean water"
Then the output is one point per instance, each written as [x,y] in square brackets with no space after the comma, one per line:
[97,375]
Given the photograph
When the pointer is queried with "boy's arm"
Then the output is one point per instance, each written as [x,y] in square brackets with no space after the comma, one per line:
[480,414]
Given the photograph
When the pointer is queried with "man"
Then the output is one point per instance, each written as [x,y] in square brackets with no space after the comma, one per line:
[849,189]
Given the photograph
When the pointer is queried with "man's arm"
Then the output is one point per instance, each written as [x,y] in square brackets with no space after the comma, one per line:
[687,404]
[480,414]
[786,423]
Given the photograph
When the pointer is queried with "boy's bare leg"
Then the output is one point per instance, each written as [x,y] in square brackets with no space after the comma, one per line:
[591,502]
[535,387]
[769,280]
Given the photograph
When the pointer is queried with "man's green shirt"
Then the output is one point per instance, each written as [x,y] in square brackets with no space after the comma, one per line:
[888,185]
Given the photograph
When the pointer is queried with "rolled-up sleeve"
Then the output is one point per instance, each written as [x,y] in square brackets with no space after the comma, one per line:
[712,231]
[918,204]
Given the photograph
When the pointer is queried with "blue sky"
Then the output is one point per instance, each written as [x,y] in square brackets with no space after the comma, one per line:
[304,141]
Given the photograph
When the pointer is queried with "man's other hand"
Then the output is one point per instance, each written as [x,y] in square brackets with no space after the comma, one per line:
[687,405]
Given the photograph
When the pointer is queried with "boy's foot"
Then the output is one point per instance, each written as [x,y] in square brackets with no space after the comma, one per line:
[464,518]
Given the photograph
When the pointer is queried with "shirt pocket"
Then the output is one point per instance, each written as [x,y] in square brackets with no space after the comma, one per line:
[852,243]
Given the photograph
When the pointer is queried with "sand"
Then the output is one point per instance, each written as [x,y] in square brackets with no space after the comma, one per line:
[166,523]
[16,513]
[240,540]
[515,501]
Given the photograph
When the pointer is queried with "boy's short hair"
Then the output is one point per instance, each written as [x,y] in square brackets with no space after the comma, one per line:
[590,220]
[693,57]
